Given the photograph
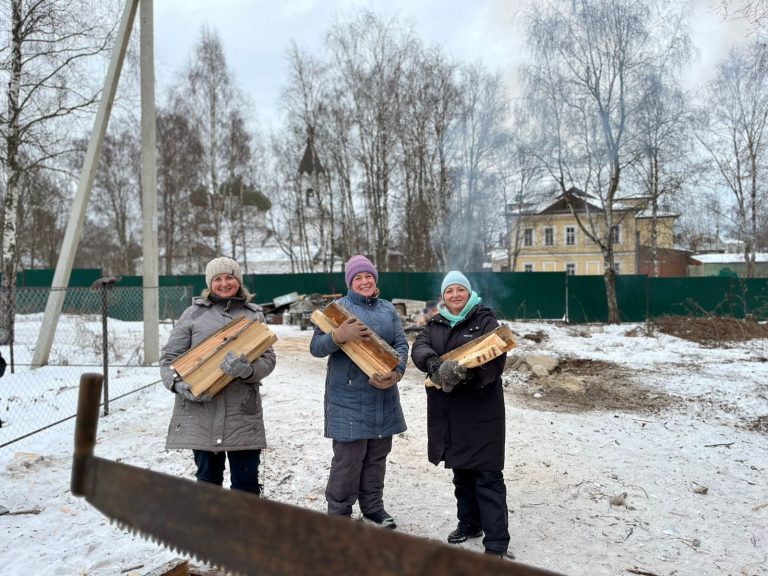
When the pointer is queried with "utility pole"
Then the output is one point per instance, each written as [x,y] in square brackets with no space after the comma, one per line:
[150,278]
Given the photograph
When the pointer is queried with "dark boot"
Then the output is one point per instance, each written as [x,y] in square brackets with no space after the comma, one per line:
[506,555]
[381,518]
[461,534]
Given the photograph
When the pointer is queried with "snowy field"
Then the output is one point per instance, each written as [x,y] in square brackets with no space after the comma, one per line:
[30,400]
[637,454]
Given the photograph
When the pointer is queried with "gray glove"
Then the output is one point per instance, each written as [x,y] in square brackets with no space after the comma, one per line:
[450,373]
[236,367]
[183,388]
[433,369]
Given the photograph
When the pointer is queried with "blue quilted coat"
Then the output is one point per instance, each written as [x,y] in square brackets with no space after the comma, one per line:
[355,409]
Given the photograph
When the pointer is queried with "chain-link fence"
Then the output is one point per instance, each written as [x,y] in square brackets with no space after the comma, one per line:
[32,399]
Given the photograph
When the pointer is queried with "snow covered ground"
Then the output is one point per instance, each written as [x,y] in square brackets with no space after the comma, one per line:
[638,454]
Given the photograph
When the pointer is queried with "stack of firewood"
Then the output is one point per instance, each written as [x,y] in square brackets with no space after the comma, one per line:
[199,366]
[372,356]
[481,350]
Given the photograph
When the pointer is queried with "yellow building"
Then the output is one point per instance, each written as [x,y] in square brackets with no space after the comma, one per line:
[548,238]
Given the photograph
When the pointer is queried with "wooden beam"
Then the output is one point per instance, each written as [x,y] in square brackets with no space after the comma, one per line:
[175,567]
[372,356]
[199,366]
[480,350]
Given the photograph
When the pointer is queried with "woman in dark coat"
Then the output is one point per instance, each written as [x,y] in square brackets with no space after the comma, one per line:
[465,416]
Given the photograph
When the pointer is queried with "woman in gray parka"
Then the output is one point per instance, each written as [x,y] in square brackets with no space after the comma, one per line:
[231,424]
[361,414]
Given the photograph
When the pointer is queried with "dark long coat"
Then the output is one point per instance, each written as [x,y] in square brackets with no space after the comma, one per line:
[466,427]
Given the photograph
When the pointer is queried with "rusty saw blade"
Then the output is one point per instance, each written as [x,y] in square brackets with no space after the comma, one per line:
[249,535]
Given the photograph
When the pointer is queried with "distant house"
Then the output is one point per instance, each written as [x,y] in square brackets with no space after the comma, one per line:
[727,264]
[547,238]
[264,255]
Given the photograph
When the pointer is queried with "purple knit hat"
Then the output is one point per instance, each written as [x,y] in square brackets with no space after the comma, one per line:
[357,264]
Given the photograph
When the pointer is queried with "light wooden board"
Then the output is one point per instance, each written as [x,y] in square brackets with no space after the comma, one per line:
[480,350]
[372,356]
[241,336]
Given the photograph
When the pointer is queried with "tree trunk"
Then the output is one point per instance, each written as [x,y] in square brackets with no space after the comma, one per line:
[11,201]
[609,277]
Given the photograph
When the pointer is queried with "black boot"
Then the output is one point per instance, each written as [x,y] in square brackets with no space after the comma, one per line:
[503,555]
[460,534]
[381,518]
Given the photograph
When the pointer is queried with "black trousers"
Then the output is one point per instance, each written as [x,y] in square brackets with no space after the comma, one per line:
[481,501]
[357,473]
[243,468]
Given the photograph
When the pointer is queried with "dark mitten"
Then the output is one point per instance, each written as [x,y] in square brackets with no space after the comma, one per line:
[433,369]
[450,374]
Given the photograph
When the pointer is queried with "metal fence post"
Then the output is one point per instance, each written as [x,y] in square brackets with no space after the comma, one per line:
[105,347]
[105,284]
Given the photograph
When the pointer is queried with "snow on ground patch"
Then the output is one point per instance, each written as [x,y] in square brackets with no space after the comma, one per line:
[657,463]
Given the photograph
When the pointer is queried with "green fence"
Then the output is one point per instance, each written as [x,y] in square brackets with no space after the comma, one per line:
[521,296]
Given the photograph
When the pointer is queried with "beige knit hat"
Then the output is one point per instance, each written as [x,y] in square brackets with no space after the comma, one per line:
[222,265]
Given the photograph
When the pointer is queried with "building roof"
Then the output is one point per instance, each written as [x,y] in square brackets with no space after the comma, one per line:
[580,199]
[728,258]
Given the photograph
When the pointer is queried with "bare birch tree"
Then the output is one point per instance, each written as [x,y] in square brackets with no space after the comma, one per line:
[46,49]
[306,101]
[369,56]
[180,172]
[736,137]
[663,139]
[477,207]
[207,92]
[431,104]
[591,62]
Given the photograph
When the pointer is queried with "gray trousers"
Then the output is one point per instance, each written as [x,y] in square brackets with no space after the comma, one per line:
[357,472]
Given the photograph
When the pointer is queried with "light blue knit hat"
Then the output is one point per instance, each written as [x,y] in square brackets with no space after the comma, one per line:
[455,277]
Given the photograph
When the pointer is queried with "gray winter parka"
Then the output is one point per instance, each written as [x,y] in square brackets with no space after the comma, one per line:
[233,419]
[354,408]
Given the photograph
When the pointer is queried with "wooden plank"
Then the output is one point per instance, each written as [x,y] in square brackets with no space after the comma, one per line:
[200,369]
[175,567]
[372,356]
[194,357]
[260,339]
[480,350]
[376,347]
[253,341]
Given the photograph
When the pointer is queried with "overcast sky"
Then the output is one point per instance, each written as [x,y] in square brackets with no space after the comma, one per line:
[256,34]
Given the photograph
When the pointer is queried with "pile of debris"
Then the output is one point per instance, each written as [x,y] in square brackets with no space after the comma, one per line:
[295,308]
[712,329]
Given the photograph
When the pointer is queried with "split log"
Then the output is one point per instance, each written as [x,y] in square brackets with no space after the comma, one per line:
[199,366]
[175,567]
[372,356]
[480,350]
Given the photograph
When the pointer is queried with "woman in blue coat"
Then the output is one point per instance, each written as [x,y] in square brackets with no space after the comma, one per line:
[465,416]
[361,414]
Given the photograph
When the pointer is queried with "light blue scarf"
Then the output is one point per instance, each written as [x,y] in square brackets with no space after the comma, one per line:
[454,319]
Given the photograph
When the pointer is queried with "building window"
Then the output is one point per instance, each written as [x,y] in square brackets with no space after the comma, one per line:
[528,237]
[570,235]
[570,269]
[549,236]
[617,268]
[616,234]
[527,267]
